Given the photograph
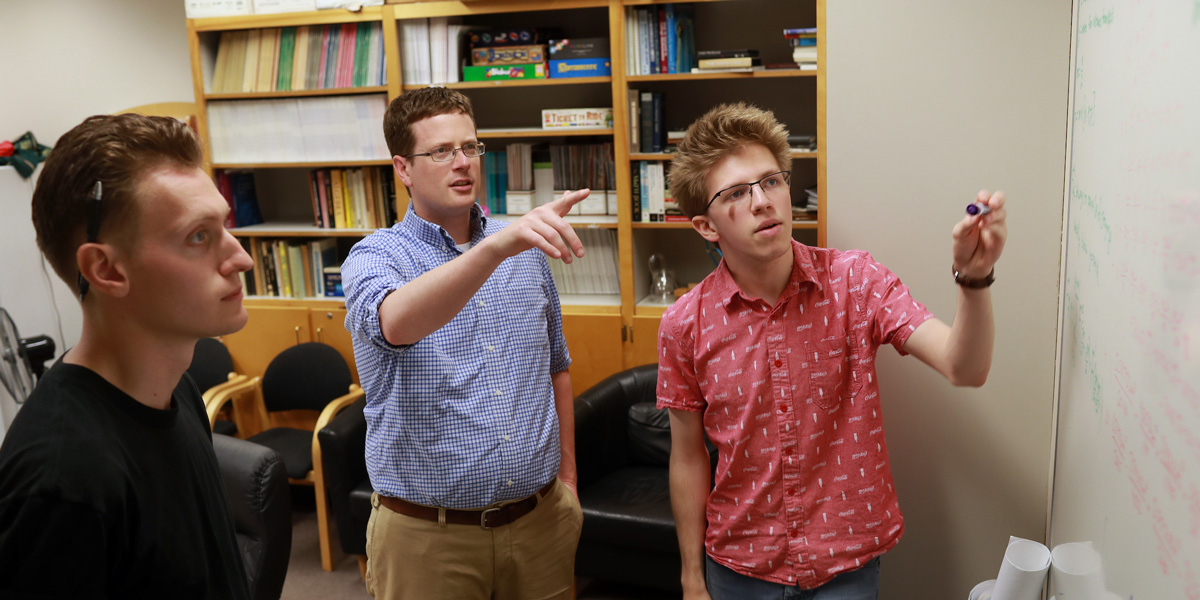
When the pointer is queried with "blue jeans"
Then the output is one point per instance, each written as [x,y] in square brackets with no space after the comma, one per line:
[726,584]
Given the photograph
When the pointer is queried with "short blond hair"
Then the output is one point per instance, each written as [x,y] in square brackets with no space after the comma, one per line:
[711,138]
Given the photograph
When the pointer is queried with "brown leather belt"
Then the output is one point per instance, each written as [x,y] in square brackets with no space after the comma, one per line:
[487,518]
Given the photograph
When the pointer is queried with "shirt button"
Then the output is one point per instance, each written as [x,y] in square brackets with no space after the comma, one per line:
[510,482]
[482,303]
[788,451]
[506,438]
[791,491]
[782,407]
[778,362]
[497,392]
[793,533]
[489,348]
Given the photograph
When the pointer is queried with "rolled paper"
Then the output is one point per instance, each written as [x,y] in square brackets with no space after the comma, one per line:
[1076,572]
[1023,572]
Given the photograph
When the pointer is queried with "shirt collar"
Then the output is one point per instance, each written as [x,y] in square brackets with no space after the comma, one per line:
[726,289]
[435,235]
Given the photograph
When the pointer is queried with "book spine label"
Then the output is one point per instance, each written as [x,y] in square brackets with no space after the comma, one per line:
[562,118]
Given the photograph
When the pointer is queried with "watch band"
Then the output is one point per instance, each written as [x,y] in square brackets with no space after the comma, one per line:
[973,284]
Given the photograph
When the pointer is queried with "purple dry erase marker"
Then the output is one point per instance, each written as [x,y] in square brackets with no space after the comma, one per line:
[978,208]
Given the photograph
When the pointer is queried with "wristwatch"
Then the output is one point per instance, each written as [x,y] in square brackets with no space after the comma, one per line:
[974,284]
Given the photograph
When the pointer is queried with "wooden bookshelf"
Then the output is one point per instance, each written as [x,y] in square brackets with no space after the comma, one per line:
[304,165]
[796,154]
[472,85]
[765,74]
[537,132]
[618,329]
[345,91]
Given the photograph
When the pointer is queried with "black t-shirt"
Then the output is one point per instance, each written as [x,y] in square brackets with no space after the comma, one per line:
[104,497]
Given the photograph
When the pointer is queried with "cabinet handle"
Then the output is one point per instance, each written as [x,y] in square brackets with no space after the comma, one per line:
[297,335]
[319,336]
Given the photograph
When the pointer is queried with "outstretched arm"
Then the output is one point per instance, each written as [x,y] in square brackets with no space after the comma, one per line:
[962,352]
[425,304]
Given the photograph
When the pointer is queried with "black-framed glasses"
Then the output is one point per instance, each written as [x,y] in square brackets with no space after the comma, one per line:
[772,185]
[446,153]
[93,230]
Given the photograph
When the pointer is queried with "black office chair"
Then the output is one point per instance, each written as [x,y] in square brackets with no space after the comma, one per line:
[212,370]
[305,377]
[623,448]
[257,489]
[343,445]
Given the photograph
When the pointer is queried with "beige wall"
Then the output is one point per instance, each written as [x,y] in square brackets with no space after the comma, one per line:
[927,103]
[70,59]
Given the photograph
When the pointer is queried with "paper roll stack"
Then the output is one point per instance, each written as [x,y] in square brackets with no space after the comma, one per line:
[1023,572]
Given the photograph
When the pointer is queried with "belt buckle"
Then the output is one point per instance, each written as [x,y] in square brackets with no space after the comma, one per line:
[483,516]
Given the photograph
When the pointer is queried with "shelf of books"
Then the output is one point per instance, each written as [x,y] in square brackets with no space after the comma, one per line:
[567,94]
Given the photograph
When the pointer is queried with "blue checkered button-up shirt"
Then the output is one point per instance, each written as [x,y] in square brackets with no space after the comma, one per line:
[465,417]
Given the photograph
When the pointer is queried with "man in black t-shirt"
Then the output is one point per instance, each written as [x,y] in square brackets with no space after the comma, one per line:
[109,487]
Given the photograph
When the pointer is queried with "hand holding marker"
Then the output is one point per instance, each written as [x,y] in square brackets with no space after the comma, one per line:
[978,209]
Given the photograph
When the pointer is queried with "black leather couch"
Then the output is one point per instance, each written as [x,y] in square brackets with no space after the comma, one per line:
[343,444]
[256,486]
[623,448]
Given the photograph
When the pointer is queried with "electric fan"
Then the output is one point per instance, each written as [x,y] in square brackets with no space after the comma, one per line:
[22,360]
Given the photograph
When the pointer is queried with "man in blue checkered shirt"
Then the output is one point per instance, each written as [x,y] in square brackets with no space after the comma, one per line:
[458,339]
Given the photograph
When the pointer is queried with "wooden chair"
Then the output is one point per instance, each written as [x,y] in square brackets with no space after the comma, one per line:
[302,389]
[212,370]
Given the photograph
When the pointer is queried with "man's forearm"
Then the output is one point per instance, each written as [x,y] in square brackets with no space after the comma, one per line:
[564,405]
[689,495]
[425,304]
[969,345]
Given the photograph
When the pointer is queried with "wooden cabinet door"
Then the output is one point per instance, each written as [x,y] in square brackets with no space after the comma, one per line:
[329,327]
[594,341]
[645,341]
[270,330]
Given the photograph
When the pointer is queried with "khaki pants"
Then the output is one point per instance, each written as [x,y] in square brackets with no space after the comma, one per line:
[529,559]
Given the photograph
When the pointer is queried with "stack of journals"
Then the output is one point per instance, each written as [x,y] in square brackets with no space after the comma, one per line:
[727,61]
[804,47]
[289,130]
[353,198]
[525,176]
[432,50]
[300,58]
[652,200]
[660,39]
[294,268]
[594,273]
[646,130]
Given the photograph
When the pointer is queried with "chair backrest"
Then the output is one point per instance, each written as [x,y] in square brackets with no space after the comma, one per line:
[305,376]
[211,363]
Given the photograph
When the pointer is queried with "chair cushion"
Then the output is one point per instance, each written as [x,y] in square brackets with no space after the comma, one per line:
[294,445]
[632,507]
[360,500]
[649,429]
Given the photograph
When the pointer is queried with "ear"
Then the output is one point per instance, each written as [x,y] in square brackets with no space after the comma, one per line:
[99,265]
[401,166]
[704,226]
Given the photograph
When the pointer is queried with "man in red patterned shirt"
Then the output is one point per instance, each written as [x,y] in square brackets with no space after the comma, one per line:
[773,357]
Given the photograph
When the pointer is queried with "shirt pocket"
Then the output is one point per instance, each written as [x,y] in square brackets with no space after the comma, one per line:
[526,316]
[830,372]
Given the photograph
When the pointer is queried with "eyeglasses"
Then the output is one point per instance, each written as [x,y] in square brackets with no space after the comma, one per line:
[93,230]
[446,153]
[773,185]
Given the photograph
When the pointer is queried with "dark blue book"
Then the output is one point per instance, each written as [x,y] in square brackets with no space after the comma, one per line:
[245,199]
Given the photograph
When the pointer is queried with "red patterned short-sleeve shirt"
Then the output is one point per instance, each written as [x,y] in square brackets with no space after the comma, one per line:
[803,488]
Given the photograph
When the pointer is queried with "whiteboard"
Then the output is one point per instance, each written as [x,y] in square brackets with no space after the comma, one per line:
[1127,461]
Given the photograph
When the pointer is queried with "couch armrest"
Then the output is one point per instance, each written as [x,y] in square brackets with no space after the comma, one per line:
[256,486]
